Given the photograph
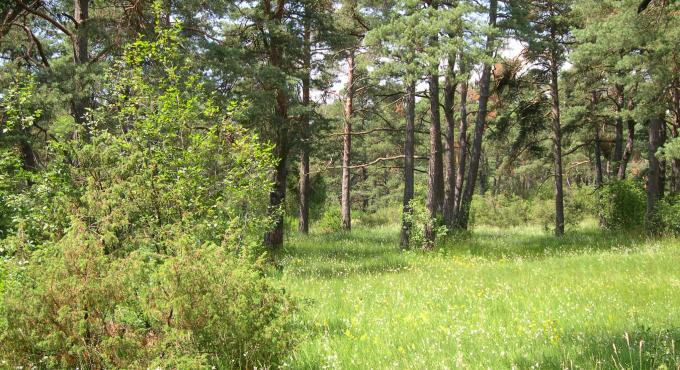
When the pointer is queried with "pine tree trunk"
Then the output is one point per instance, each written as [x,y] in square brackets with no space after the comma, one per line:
[303,206]
[345,206]
[675,131]
[462,148]
[628,151]
[654,172]
[557,147]
[409,153]
[449,147]
[435,180]
[618,130]
[598,159]
[480,123]
[79,102]
[274,238]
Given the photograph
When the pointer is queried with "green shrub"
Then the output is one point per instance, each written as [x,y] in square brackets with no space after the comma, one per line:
[419,219]
[73,306]
[622,204]
[669,215]
[143,247]
[330,221]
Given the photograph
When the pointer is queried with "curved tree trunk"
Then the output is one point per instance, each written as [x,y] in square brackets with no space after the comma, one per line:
[480,122]
[409,154]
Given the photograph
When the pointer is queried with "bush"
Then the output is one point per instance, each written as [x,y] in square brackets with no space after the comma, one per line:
[511,210]
[73,306]
[622,205]
[330,221]
[419,219]
[669,215]
[153,257]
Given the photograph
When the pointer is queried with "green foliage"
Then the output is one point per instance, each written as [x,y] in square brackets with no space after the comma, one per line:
[330,220]
[420,219]
[72,305]
[669,215]
[510,210]
[622,205]
[139,245]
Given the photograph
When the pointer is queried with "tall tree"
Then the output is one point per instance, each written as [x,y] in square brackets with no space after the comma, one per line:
[463,215]
[548,34]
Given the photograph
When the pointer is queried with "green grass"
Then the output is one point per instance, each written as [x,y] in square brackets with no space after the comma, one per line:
[500,298]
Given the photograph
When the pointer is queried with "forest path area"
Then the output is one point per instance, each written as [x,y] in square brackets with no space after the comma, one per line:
[499,298]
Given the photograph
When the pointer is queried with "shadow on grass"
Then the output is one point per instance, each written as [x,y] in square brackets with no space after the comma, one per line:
[498,243]
[641,348]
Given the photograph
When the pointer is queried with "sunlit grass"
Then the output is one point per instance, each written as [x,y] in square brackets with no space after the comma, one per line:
[500,298]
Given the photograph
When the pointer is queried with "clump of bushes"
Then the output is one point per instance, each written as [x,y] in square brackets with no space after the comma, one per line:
[622,204]
[144,248]
[73,306]
[511,210]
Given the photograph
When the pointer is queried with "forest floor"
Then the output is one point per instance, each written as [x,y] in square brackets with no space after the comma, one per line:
[499,298]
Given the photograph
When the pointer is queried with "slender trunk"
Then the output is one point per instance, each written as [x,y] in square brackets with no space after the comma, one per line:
[675,163]
[557,147]
[80,101]
[462,146]
[662,160]
[598,159]
[274,238]
[449,147]
[480,122]
[435,181]
[628,152]
[618,131]
[347,145]
[598,154]
[409,153]
[654,172]
[303,220]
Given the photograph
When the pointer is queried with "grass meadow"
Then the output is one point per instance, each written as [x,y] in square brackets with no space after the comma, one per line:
[497,298]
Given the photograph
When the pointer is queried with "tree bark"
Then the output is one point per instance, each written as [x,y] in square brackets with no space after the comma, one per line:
[462,146]
[654,172]
[80,102]
[303,206]
[409,154]
[435,179]
[628,151]
[449,147]
[598,154]
[480,123]
[557,146]
[618,130]
[274,238]
[598,159]
[675,131]
[347,145]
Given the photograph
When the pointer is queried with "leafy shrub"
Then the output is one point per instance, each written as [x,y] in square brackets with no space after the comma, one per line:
[330,221]
[73,306]
[669,215]
[510,210]
[622,204]
[151,257]
[419,219]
